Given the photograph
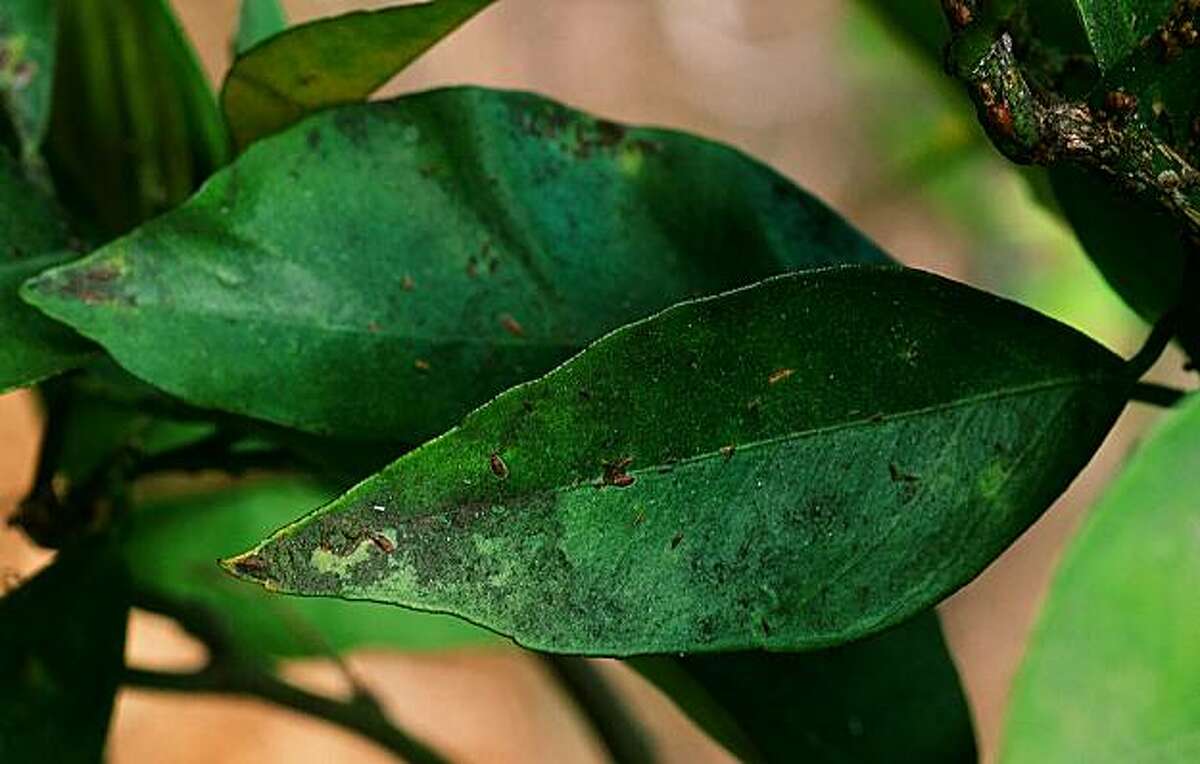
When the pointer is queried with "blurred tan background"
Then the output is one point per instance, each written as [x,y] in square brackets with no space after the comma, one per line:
[821,91]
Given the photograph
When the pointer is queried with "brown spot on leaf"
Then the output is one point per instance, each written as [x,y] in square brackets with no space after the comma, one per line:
[616,473]
[93,285]
[728,451]
[421,365]
[382,542]
[512,326]
[779,375]
[498,467]
[407,283]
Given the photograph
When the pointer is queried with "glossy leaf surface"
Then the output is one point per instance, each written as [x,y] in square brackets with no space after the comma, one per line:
[331,61]
[172,550]
[382,269]
[1112,671]
[258,20]
[62,642]
[28,30]
[862,702]
[135,127]
[788,466]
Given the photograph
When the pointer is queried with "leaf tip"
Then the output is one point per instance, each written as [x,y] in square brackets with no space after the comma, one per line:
[250,566]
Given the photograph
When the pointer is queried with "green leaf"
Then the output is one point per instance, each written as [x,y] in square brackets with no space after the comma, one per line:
[444,246]
[259,20]
[861,702]
[32,347]
[787,466]
[1112,671]
[27,38]
[331,61]
[1115,28]
[173,546]
[1114,228]
[29,223]
[61,651]
[135,128]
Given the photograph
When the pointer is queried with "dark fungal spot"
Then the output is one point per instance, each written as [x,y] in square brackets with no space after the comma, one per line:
[511,325]
[382,542]
[676,540]
[498,466]
[616,473]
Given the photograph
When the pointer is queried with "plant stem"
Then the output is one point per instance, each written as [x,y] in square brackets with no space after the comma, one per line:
[358,715]
[229,672]
[623,736]
[213,453]
[1157,395]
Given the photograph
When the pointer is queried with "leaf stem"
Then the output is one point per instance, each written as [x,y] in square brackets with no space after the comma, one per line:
[621,734]
[357,715]
[228,672]
[1157,395]
[1154,346]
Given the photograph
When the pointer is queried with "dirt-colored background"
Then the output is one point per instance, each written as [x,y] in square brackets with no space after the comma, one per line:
[805,86]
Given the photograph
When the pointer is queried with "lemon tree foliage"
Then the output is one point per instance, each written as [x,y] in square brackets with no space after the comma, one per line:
[470,369]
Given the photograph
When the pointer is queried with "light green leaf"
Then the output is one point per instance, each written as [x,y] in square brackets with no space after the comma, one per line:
[382,269]
[27,48]
[173,546]
[788,466]
[259,20]
[135,128]
[62,643]
[861,702]
[331,61]
[1113,670]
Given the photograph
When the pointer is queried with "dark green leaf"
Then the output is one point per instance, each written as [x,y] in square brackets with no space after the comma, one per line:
[332,61]
[172,550]
[380,270]
[134,128]
[33,347]
[27,38]
[258,20]
[863,702]
[62,642]
[1112,671]
[29,223]
[1117,230]
[788,466]
[1115,28]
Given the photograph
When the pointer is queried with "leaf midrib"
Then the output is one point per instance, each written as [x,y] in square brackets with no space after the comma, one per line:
[868,421]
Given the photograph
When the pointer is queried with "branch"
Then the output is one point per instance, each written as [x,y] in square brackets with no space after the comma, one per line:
[229,672]
[213,453]
[364,718]
[1030,127]
[622,735]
